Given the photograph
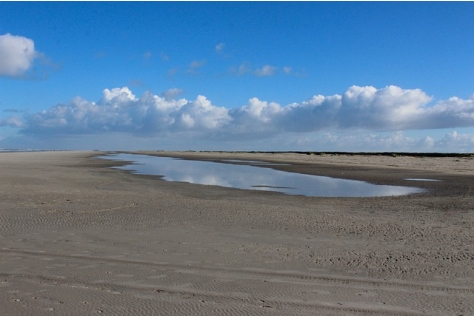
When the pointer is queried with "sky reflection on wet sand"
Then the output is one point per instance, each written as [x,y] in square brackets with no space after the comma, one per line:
[255,178]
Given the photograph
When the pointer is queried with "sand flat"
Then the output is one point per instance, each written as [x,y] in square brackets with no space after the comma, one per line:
[80,238]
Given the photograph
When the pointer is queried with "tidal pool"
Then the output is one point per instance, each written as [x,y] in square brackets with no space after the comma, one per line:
[252,177]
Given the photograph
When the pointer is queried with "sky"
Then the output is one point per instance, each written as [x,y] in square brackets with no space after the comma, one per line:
[237,76]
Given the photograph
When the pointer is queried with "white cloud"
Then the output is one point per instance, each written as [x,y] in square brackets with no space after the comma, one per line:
[13,121]
[119,110]
[359,109]
[119,95]
[266,70]
[454,140]
[380,142]
[200,114]
[255,117]
[427,142]
[17,54]
[390,108]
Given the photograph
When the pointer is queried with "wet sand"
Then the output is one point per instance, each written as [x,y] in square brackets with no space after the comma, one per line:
[80,238]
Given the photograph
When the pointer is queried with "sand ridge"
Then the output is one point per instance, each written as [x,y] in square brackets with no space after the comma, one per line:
[80,238]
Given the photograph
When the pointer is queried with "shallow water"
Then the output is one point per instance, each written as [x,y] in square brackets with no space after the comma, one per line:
[251,177]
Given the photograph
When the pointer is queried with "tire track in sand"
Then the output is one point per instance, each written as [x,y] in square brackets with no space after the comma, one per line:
[256,273]
[200,295]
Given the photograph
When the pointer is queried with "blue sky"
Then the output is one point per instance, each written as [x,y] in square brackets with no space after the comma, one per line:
[319,76]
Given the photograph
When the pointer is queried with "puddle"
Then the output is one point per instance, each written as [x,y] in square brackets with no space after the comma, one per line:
[252,177]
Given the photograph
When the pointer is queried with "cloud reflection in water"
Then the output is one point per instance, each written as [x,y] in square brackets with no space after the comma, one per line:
[252,177]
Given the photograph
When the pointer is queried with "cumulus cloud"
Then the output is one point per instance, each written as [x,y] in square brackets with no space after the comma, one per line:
[389,109]
[13,121]
[375,141]
[461,142]
[361,141]
[358,141]
[171,93]
[17,54]
[119,110]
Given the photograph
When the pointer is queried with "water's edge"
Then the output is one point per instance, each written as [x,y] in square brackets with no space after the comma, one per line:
[249,177]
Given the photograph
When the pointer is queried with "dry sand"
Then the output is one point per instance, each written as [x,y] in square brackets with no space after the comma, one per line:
[79,238]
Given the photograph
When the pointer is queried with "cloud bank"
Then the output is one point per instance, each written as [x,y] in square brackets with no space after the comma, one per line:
[17,54]
[382,142]
[388,109]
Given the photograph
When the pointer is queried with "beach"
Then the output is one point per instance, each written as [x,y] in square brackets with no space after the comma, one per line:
[81,238]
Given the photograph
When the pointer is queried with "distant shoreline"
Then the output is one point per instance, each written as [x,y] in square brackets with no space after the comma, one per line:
[393,154]
[416,154]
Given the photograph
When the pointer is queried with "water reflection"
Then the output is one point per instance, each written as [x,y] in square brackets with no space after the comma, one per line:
[251,177]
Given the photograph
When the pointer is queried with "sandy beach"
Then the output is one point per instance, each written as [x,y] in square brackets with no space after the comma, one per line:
[80,238]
